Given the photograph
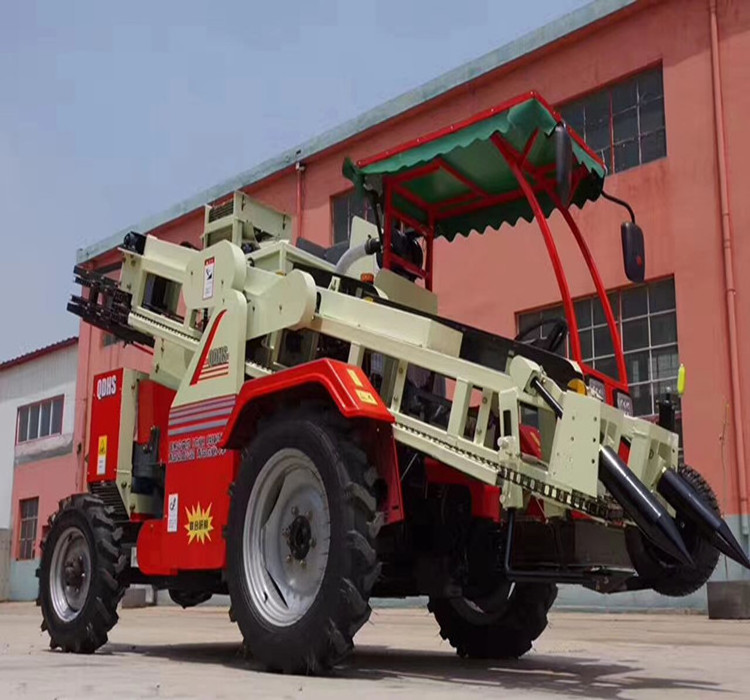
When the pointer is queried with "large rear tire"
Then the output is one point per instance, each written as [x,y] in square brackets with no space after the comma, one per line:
[302,523]
[79,575]
[664,575]
[503,627]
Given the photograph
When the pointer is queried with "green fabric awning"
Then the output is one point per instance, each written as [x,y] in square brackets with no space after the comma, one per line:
[460,175]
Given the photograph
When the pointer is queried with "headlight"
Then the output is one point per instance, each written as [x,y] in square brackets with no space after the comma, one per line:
[596,389]
[625,403]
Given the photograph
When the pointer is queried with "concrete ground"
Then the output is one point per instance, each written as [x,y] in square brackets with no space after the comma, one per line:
[170,653]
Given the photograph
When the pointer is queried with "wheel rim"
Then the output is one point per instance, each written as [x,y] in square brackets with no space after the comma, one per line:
[70,574]
[286,537]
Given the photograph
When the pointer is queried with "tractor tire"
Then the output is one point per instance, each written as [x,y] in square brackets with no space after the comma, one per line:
[505,630]
[661,573]
[301,559]
[79,575]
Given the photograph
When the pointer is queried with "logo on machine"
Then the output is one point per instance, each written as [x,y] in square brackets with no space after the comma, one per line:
[106,386]
[216,363]
[200,523]
[218,356]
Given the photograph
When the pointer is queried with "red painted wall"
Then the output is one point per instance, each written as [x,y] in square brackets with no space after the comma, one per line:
[49,480]
[486,280]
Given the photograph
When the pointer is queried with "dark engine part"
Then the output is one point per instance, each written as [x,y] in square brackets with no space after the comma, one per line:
[148,471]
[106,307]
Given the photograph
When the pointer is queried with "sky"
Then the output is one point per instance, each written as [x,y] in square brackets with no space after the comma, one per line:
[111,112]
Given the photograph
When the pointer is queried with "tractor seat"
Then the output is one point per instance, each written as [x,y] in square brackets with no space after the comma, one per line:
[331,255]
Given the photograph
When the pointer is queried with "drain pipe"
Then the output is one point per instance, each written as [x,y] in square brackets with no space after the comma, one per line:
[729,284]
[300,168]
[81,420]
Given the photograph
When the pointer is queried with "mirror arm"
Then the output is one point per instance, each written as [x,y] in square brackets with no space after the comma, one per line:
[621,202]
[375,204]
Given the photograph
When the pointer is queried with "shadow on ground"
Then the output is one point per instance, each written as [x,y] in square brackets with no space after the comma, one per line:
[536,672]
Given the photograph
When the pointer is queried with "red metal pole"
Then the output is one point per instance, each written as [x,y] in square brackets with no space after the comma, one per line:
[600,289]
[541,221]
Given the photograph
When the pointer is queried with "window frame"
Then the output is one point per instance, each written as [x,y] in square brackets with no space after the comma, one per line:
[608,89]
[26,542]
[590,357]
[39,405]
[368,212]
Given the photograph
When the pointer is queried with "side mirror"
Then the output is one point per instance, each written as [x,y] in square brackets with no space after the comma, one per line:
[633,251]
[563,163]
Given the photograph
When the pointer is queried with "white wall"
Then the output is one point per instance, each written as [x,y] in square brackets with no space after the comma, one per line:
[41,378]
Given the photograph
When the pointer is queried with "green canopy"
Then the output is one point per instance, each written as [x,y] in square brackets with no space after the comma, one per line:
[461,179]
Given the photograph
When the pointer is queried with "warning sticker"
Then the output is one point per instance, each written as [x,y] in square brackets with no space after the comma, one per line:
[366,397]
[208,278]
[200,524]
[355,378]
[172,511]
[101,459]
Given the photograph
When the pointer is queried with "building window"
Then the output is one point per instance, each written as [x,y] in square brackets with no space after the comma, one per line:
[39,420]
[28,511]
[623,123]
[344,208]
[647,321]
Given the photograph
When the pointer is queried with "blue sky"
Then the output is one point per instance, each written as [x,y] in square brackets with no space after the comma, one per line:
[111,112]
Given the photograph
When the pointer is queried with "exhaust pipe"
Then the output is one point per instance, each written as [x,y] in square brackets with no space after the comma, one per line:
[685,499]
[642,507]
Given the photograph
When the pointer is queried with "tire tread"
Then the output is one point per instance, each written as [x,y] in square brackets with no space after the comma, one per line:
[87,635]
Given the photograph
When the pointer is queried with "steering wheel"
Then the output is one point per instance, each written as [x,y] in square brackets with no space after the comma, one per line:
[555,338]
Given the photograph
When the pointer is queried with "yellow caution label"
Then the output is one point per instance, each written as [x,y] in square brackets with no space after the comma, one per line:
[101,460]
[200,523]
[355,378]
[366,397]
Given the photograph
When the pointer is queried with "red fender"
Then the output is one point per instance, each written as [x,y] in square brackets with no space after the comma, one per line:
[352,394]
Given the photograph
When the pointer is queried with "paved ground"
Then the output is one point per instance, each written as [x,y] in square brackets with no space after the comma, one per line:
[169,653]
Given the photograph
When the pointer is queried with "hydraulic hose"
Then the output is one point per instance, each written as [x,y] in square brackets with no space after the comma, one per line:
[369,247]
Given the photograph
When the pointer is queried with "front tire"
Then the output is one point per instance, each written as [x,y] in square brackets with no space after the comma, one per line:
[657,570]
[302,523]
[79,572]
[502,628]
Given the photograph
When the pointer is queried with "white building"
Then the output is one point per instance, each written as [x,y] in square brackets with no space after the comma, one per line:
[38,462]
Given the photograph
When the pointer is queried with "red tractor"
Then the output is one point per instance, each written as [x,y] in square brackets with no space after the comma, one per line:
[312,434]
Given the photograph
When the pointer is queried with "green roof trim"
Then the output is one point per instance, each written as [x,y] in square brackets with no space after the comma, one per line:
[467,160]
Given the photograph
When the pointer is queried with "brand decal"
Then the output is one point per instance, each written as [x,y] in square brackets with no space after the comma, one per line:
[200,523]
[218,356]
[106,386]
[200,447]
[216,363]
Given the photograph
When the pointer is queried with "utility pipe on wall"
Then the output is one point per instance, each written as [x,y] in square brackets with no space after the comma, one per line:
[300,167]
[729,283]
